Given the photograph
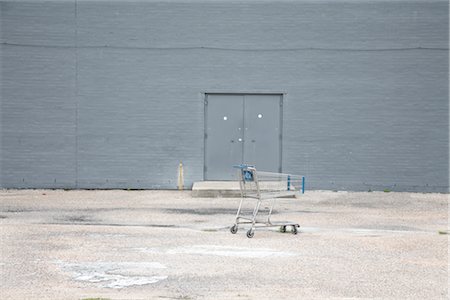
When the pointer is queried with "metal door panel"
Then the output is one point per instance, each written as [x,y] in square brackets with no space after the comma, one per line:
[223,135]
[262,134]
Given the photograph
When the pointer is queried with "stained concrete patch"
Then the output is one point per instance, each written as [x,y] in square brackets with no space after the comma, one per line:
[78,219]
[378,232]
[116,275]
[106,235]
[17,210]
[87,223]
[229,251]
[75,218]
[382,231]
[391,228]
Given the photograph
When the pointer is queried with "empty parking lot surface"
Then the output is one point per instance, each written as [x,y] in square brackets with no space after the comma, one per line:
[167,245]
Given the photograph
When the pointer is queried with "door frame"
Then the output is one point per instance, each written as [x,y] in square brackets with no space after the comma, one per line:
[205,95]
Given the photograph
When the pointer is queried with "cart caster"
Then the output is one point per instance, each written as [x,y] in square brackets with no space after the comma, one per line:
[250,233]
[234,229]
[283,229]
[294,229]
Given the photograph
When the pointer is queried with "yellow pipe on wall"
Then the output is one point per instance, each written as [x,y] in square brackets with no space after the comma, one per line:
[180,177]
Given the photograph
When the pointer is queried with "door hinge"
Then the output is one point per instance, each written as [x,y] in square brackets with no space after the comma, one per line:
[206,101]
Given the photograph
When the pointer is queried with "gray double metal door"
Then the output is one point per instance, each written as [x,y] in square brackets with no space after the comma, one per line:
[241,129]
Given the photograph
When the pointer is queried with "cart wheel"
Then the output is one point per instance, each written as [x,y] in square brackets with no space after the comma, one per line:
[294,229]
[283,229]
[234,229]
[250,233]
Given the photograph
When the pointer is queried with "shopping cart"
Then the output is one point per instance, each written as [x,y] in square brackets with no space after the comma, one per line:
[263,186]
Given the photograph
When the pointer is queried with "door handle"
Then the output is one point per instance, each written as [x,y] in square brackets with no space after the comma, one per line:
[239,139]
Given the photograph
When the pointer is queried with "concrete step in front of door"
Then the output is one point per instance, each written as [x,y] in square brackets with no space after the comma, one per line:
[216,189]
[230,189]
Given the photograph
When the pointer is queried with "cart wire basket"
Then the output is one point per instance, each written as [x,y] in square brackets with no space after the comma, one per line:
[265,186]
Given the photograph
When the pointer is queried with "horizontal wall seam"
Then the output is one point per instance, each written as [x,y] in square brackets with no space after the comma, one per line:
[229,49]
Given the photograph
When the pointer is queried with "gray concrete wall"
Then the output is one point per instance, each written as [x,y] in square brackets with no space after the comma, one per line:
[109,94]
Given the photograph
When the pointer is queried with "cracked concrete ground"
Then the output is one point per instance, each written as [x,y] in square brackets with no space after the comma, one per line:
[167,245]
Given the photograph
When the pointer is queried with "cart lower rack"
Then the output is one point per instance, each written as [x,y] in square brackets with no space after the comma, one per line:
[261,186]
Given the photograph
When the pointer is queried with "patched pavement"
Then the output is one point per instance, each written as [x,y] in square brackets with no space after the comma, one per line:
[167,245]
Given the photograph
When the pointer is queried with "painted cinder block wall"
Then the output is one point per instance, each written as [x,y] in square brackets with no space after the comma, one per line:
[109,94]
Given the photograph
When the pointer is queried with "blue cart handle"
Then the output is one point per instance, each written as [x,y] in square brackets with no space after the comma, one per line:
[303,184]
[243,166]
